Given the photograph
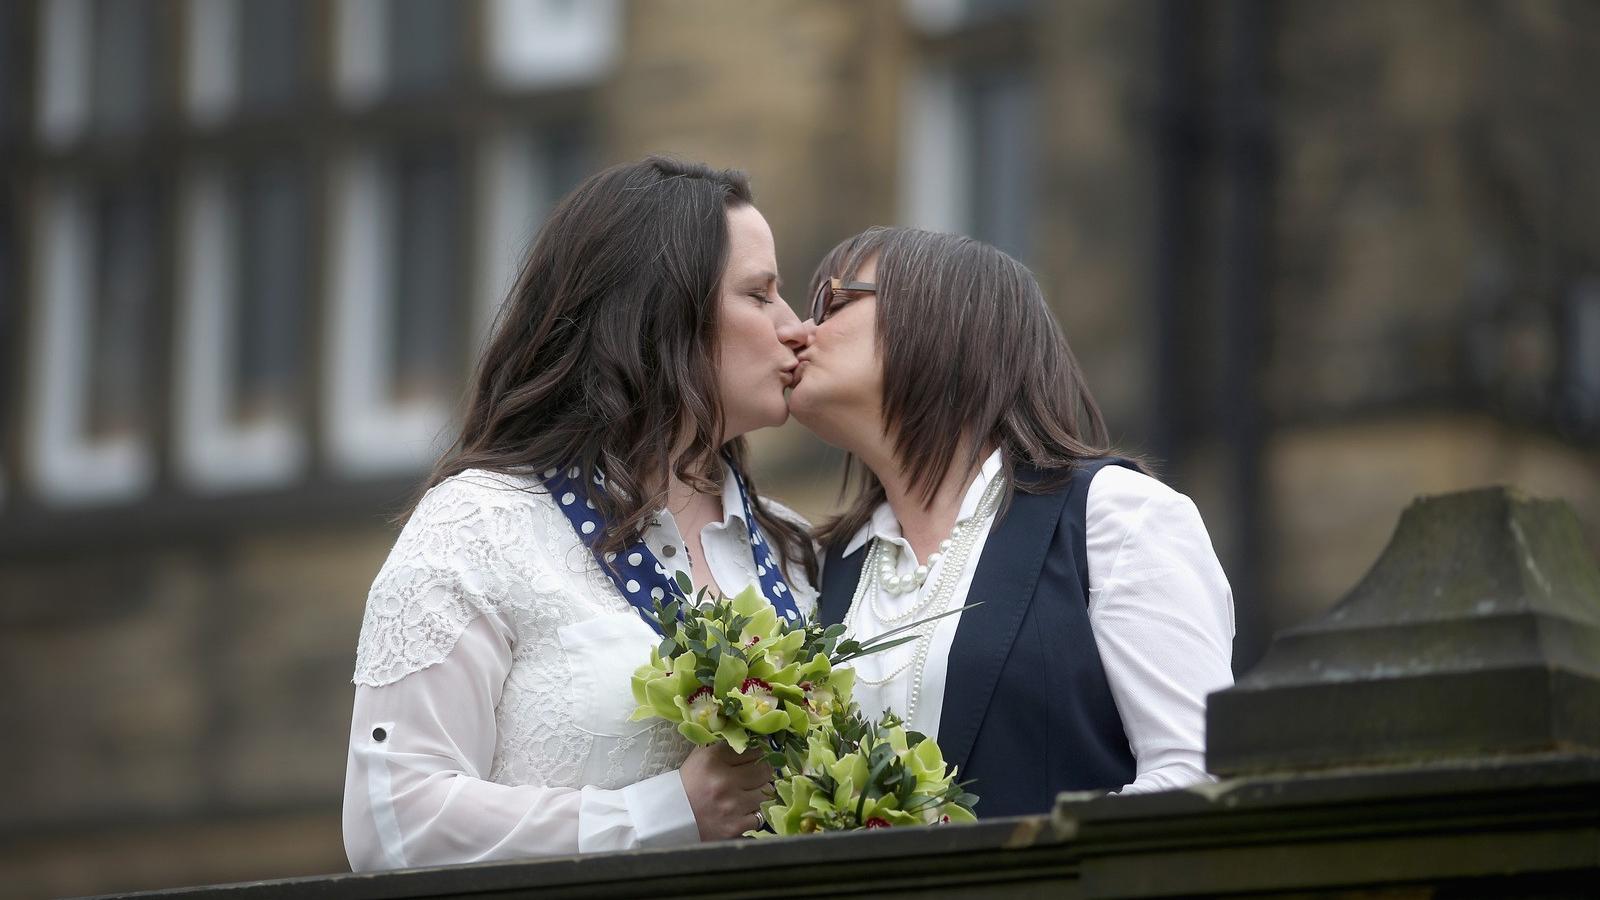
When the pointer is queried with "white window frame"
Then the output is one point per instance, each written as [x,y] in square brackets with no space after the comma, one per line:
[215,452]
[361,60]
[936,16]
[527,46]
[510,169]
[211,84]
[63,77]
[65,465]
[937,130]
[368,432]
[935,156]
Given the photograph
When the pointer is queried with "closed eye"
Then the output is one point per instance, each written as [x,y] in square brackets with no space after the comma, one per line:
[839,301]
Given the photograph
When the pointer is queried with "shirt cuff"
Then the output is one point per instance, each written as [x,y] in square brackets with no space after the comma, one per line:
[660,811]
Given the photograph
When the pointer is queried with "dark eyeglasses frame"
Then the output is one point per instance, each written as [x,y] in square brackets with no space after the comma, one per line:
[826,290]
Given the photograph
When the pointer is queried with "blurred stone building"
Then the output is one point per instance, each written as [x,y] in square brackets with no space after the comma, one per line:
[1316,259]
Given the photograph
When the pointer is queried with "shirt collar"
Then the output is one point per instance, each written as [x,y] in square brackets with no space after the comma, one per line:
[732,503]
[883,523]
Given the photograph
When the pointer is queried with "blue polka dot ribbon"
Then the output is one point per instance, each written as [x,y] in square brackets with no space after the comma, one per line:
[637,573]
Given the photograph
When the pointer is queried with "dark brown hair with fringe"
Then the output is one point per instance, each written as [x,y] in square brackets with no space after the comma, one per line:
[972,358]
[604,355]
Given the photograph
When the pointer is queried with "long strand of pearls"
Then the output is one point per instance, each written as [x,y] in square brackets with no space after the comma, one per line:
[938,598]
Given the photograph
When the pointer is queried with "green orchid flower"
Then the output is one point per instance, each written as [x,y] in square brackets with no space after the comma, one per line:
[828,695]
[955,812]
[760,711]
[778,651]
[704,722]
[820,757]
[762,618]
[885,812]
[657,685]
[731,672]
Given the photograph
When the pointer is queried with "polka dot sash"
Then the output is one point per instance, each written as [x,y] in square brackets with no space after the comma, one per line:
[637,573]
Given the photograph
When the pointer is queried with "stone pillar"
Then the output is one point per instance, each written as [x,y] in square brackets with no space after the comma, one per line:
[1476,634]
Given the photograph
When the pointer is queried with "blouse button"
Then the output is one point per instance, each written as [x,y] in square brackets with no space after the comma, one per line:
[378,734]
[669,550]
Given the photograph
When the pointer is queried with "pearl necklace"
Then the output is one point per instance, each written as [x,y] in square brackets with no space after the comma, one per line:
[888,562]
[938,599]
[905,584]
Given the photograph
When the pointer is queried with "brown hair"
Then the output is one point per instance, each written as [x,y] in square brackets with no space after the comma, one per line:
[604,355]
[972,356]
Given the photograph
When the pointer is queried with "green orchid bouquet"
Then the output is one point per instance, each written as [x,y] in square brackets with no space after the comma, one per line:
[732,670]
[854,774]
[729,669]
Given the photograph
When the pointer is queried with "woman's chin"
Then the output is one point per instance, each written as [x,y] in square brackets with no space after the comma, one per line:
[797,402]
[775,414]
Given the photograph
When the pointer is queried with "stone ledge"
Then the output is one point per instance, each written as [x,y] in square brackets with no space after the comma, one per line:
[1527,826]
[1531,823]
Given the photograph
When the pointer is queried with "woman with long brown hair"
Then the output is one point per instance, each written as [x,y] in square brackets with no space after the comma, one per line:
[601,455]
[984,475]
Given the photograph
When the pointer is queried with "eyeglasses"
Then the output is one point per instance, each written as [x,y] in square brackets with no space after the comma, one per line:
[824,299]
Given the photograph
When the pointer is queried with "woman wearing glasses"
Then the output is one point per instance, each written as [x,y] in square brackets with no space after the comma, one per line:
[984,475]
[601,455]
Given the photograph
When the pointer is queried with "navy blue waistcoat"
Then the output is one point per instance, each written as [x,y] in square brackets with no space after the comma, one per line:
[1027,709]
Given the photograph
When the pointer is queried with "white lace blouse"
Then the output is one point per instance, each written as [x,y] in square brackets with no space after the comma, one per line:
[492,686]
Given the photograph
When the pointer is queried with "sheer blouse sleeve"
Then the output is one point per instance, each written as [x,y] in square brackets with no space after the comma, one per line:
[434,654]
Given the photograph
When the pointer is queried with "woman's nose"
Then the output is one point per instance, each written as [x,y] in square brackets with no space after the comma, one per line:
[794,334]
[791,331]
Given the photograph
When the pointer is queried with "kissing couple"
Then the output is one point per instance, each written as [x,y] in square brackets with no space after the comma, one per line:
[602,454]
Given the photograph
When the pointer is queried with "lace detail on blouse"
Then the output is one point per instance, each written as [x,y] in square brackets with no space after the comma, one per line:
[489,544]
[463,554]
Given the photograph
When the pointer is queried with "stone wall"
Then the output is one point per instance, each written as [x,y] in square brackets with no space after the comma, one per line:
[1436,212]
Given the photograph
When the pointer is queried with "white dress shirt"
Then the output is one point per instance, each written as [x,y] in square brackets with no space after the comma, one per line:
[492,699]
[1159,605]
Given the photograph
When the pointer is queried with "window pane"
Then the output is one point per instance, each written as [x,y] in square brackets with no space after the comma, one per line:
[271,54]
[1000,122]
[978,10]
[11,56]
[536,43]
[424,43]
[946,16]
[1583,356]
[427,282]
[570,156]
[273,287]
[10,341]
[123,307]
[122,95]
